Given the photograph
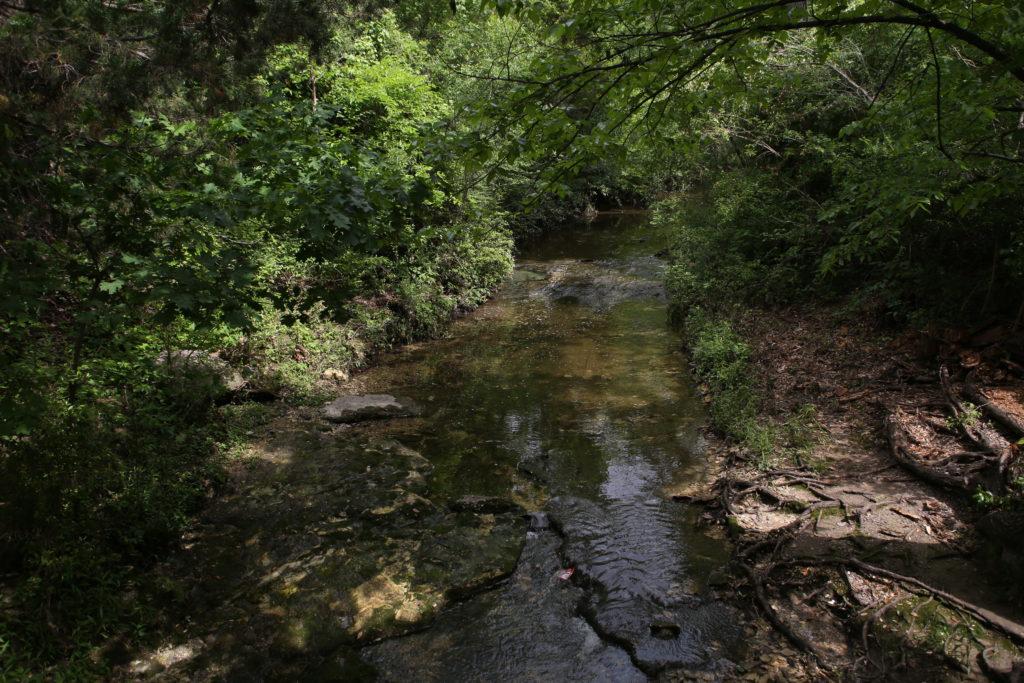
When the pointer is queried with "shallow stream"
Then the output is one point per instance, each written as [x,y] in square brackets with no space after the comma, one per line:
[568,393]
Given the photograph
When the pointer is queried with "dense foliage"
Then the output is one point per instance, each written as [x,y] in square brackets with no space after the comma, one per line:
[285,186]
[868,145]
[183,185]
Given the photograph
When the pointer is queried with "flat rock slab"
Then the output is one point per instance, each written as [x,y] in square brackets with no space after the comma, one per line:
[369,407]
[329,546]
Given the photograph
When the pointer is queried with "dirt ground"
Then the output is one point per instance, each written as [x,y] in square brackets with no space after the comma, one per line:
[882,543]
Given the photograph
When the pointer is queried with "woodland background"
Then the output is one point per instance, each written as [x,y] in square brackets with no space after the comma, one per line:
[286,187]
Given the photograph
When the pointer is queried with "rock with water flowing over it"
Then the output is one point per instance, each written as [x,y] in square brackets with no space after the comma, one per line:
[483,504]
[527,276]
[369,407]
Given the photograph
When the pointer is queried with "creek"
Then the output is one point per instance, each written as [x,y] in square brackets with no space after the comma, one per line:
[568,393]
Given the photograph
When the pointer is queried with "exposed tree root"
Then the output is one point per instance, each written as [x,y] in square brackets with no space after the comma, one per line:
[976,430]
[769,612]
[1006,626]
[987,399]
[761,558]
[866,628]
[780,500]
[1004,406]
[910,446]
[789,550]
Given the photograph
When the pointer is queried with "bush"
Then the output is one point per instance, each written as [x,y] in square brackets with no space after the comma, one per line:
[721,360]
[748,241]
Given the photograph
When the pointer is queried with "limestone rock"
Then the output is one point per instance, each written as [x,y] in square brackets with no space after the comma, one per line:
[341,548]
[335,374]
[204,369]
[369,407]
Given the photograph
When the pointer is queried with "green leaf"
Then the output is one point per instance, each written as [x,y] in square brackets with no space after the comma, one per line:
[111,286]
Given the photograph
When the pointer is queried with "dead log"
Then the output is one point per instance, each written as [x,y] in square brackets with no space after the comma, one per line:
[909,452]
[1002,404]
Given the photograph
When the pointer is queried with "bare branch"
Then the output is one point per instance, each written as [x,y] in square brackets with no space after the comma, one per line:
[938,98]
[864,93]
[1001,157]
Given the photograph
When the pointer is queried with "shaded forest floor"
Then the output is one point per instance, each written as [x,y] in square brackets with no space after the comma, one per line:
[882,546]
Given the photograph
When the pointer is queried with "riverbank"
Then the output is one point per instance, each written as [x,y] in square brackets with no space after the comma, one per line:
[860,563]
[566,396]
[564,404]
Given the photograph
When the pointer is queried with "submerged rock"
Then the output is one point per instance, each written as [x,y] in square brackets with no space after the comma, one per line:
[665,630]
[600,292]
[485,504]
[527,276]
[369,407]
[339,545]
[539,521]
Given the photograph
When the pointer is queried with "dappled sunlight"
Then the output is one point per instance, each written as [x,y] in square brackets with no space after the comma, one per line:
[571,385]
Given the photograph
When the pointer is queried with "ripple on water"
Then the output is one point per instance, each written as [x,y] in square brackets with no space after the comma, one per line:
[526,630]
[631,555]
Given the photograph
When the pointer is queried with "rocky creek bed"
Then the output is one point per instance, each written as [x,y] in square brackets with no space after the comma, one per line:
[324,545]
[430,537]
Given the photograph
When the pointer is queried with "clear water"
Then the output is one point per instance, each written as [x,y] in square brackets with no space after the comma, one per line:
[569,393]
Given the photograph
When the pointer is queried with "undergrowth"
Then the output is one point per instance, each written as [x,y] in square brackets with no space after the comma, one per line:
[97,494]
[723,362]
[76,551]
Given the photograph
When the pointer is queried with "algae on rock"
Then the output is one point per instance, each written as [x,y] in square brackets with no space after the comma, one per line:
[332,546]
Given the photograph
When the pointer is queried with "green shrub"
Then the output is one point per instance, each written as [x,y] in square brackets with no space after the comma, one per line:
[722,361]
[748,241]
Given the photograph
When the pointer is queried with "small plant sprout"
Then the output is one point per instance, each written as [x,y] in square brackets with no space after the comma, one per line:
[971,415]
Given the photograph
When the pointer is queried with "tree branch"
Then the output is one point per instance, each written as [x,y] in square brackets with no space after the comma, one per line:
[989,48]
[938,98]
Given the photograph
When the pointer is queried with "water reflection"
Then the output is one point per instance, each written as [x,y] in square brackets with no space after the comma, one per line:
[568,391]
